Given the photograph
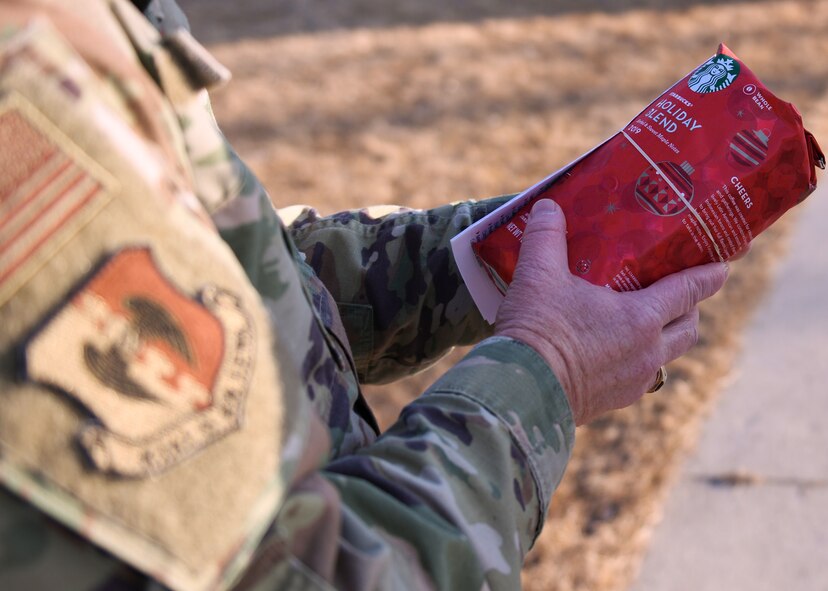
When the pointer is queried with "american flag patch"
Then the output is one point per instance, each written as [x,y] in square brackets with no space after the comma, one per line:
[46,195]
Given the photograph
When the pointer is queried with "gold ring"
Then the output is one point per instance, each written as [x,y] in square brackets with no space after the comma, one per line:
[661,378]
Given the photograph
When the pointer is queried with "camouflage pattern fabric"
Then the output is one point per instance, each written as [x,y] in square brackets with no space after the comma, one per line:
[452,496]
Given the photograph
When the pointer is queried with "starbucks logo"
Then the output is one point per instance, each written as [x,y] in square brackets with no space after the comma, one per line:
[715,74]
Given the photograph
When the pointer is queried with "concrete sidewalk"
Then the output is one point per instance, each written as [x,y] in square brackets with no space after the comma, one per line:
[750,508]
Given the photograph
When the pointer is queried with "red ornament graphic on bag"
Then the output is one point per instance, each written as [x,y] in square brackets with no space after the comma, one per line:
[656,188]
[749,148]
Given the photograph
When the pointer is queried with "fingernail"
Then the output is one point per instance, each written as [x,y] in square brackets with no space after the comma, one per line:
[545,207]
[726,268]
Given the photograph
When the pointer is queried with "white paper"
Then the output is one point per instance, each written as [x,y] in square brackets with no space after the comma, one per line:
[481,287]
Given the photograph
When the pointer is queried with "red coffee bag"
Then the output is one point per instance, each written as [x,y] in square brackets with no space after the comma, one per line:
[699,173]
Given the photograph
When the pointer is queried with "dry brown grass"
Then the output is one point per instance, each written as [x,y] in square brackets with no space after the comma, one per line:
[417,102]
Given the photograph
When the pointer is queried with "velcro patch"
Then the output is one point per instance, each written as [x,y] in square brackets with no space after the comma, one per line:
[163,374]
[46,195]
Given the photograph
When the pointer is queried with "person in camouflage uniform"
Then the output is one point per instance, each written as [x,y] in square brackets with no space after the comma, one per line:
[180,363]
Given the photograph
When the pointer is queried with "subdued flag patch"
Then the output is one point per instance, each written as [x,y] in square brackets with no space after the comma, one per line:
[46,194]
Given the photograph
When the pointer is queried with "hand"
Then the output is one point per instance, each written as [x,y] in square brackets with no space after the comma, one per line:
[604,347]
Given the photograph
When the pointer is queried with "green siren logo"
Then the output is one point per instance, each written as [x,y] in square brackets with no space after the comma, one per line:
[715,74]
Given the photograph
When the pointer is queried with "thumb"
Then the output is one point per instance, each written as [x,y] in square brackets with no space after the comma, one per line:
[544,240]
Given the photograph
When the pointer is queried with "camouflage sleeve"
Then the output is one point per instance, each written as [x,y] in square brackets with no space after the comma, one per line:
[452,496]
[395,281]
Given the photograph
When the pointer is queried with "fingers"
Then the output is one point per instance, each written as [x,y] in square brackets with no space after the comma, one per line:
[544,241]
[680,335]
[677,294]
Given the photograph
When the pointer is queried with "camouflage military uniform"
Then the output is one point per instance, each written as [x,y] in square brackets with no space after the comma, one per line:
[180,367]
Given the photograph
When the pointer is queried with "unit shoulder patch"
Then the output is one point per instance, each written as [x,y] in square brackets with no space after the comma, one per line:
[163,374]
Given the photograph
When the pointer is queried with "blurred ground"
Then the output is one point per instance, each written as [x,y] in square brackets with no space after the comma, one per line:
[418,102]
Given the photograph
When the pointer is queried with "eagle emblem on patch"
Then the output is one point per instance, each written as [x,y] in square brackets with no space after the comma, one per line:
[162,373]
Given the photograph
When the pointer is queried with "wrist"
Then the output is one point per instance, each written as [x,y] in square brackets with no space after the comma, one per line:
[553,358]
